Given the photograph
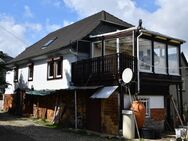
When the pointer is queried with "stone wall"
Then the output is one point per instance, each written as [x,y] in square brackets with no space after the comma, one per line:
[8,102]
[44,107]
[81,110]
[109,114]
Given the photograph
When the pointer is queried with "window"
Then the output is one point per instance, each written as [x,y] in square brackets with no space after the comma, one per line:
[173,60]
[126,45]
[145,55]
[160,58]
[48,43]
[15,74]
[58,67]
[30,72]
[97,49]
[50,69]
[146,103]
[54,68]
[110,46]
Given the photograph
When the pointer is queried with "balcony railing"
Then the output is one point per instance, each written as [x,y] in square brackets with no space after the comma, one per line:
[101,70]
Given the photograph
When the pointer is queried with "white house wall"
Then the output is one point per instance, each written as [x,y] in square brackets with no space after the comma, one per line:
[155,101]
[40,81]
[10,80]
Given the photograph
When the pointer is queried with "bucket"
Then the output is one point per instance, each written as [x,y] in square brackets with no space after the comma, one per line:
[180,132]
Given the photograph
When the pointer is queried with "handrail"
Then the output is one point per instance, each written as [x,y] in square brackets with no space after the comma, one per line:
[100,69]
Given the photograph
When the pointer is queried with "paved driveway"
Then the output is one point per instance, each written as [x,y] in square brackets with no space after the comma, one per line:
[24,129]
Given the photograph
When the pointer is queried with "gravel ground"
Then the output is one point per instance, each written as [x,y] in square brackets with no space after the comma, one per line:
[25,129]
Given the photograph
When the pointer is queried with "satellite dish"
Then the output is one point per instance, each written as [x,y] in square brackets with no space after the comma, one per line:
[127,75]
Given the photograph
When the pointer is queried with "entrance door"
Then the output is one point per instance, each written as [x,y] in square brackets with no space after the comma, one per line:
[93,115]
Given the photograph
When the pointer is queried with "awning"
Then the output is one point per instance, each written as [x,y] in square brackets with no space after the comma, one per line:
[40,92]
[83,87]
[104,92]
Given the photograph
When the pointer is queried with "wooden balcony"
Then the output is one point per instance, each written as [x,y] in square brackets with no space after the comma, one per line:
[101,70]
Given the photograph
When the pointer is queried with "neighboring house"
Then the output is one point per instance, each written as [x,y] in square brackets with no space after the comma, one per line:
[78,69]
[184,70]
[174,88]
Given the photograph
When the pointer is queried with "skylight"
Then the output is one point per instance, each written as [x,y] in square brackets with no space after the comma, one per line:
[48,43]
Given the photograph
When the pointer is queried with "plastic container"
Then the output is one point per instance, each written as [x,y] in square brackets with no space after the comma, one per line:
[128,124]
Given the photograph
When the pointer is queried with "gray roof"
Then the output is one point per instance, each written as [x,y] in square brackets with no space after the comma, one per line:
[68,34]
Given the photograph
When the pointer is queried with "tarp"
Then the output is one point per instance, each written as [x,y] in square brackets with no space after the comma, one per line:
[40,92]
[104,92]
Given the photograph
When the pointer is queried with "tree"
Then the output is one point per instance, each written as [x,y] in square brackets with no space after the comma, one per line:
[3,68]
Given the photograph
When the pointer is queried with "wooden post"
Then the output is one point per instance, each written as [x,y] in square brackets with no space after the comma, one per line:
[75,109]
[181,101]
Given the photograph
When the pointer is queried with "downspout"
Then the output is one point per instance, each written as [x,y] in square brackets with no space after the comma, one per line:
[138,64]
[120,90]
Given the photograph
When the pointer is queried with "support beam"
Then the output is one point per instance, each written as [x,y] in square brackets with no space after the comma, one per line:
[181,101]
[75,109]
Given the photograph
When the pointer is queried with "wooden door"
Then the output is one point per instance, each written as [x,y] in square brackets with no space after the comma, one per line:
[93,115]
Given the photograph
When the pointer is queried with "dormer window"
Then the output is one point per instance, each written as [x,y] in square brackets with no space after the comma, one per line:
[46,44]
[54,68]
[30,71]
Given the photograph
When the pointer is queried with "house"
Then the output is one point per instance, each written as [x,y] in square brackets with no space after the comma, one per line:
[174,88]
[76,72]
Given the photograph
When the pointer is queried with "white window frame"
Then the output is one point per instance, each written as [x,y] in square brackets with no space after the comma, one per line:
[146,100]
[178,73]
[56,68]
[93,49]
[156,67]
[48,64]
[30,68]
[144,70]
[54,62]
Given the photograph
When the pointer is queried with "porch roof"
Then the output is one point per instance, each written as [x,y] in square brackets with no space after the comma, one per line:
[104,92]
[144,31]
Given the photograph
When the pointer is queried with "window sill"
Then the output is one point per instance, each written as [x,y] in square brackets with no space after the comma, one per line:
[56,78]
[30,79]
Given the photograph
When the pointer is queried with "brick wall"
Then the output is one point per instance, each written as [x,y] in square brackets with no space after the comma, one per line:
[156,119]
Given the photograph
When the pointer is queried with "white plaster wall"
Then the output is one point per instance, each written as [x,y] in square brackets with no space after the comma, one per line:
[40,81]
[10,80]
[40,75]
[155,101]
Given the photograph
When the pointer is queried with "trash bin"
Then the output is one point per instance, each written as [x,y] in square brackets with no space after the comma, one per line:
[128,124]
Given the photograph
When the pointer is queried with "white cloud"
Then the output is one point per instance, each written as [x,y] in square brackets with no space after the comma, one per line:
[56,3]
[27,12]
[12,36]
[52,27]
[170,18]
[34,26]
[66,23]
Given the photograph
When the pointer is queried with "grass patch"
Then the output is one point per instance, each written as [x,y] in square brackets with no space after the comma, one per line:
[47,123]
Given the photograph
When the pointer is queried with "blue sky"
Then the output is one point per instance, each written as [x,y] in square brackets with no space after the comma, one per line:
[23,22]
